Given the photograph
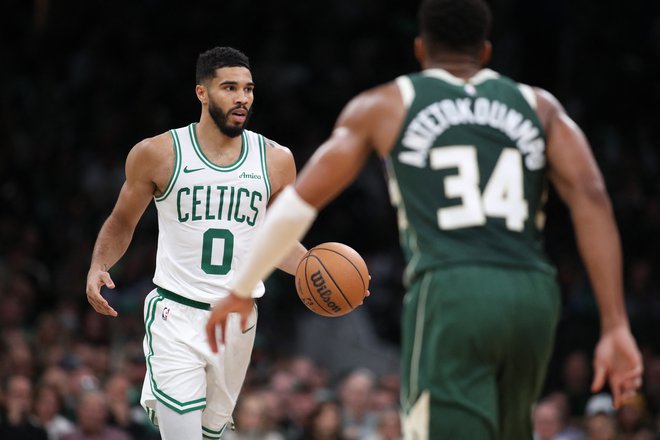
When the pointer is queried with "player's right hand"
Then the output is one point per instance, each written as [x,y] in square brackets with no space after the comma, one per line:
[220,313]
[97,278]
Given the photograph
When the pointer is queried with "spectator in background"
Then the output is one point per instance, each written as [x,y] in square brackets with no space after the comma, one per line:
[51,338]
[281,395]
[251,419]
[633,418]
[306,371]
[19,356]
[57,378]
[92,420]
[573,428]
[47,408]
[601,426]
[134,367]
[79,380]
[388,425]
[15,423]
[302,406]
[384,395]
[546,420]
[600,418]
[576,373]
[646,433]
[652,383]
[550,421]
[275,411]
[121,414]
[355,394]
[325,423]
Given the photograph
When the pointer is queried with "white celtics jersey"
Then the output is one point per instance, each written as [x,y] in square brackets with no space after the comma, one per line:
[207,217]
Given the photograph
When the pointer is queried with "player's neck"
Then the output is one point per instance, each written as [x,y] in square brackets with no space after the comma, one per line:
[461,66]
[210,136]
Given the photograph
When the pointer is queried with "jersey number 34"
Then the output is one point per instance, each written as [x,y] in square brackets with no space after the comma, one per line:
[503,195]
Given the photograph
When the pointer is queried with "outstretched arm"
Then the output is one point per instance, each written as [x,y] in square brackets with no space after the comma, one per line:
[332,167]
[575,175]
[117,231]
[282,173]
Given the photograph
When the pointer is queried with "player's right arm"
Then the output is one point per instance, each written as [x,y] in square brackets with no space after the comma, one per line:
[116,233]
[368,123]
[575,175]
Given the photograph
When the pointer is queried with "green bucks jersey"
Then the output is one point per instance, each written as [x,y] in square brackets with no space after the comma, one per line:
[468,172]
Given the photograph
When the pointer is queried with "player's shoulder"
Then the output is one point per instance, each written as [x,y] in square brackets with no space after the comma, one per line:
[373,101]
[276,153]
[546,97]
[547,106]
[155,148]
[274,148]
[380,95]
[156,143]
[280,163]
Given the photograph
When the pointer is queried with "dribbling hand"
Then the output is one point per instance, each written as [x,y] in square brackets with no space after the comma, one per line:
[95,280]
[220,313]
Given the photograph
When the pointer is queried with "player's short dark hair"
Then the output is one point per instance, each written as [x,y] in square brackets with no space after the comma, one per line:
[457,25]
[216,58]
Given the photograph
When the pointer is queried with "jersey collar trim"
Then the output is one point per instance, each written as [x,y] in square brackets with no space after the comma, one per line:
[478,78]
[241,158]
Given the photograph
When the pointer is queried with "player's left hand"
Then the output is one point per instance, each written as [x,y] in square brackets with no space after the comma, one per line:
[618,359]
[219,314]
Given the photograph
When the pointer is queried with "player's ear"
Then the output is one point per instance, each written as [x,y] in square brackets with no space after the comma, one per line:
[420,50]
[200,91]
[486,53]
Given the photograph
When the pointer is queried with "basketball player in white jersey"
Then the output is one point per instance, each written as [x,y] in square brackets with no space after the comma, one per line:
[211,182]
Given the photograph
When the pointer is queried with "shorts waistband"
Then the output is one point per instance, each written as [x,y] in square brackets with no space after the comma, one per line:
[182,299]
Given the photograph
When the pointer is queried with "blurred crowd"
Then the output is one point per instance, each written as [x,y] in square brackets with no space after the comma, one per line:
[84,81]
[94,397]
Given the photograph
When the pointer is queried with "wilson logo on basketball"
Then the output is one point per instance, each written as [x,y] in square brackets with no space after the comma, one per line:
[332,279]
[323,291]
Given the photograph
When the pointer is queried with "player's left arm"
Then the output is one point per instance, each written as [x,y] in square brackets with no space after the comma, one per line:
[281,173]
[578,181]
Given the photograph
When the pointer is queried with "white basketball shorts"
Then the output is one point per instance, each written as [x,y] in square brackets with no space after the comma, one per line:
[182,372]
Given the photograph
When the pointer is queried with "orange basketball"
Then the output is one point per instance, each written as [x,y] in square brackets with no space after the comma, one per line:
[332,279]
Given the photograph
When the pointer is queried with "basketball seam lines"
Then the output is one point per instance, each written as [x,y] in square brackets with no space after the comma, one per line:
[333,280]
[349,261]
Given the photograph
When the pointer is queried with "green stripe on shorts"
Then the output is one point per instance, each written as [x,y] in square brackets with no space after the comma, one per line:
[168,401]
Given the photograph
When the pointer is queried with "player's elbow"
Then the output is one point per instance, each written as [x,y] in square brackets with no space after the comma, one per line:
[120,223]
[590,193]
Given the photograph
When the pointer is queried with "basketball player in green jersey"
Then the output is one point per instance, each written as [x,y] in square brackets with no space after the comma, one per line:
[468,152]
[211,183]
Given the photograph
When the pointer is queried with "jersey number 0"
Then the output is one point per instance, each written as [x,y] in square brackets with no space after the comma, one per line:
[210,236]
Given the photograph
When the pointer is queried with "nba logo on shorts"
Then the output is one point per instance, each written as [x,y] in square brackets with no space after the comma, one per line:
[166,313]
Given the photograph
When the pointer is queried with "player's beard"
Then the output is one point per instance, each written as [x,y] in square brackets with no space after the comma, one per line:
[220,119]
